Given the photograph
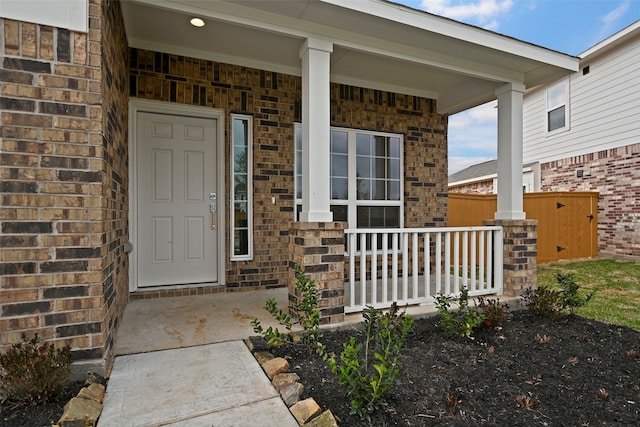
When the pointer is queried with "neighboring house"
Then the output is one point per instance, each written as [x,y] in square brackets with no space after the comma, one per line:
[482,178]
[144,157]
[583,131]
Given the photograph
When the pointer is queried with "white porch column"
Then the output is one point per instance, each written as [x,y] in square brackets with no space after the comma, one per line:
[510,205]
[316,119]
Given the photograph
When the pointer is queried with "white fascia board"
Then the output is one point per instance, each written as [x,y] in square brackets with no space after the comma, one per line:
[457,30]
[69,14]
[230,12]
[612,41]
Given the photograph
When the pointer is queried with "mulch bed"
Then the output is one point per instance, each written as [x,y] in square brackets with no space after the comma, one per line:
[42,414]
[568,372]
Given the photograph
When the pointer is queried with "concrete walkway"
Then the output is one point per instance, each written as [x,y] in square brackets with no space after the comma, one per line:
[182,362]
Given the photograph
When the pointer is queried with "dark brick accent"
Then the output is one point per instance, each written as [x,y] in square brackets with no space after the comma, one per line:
[77,330]
[17,104]
[63,109]
[19,187]
[9,269]
[27,65]
[72,253]
[19,77]
[78,176]
[64,46]
[61,266]
[66,292]
[311,250]
[91,354]
[317,268]
[27,227]
[26,308]
[333,258]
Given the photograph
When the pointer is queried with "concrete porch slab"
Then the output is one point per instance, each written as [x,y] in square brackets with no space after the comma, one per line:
[214,384]
[166,323]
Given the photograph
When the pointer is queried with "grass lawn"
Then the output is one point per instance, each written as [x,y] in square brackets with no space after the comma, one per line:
[617,286]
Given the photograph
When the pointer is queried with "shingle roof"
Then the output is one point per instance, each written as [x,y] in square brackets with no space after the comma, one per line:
[478,170]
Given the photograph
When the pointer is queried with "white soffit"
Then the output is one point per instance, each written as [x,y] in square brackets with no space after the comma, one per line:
[387,46]
[70,14]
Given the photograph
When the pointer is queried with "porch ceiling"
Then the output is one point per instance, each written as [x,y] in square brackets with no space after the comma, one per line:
[377,44]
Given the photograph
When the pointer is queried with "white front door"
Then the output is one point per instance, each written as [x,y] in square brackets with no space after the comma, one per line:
[176,186]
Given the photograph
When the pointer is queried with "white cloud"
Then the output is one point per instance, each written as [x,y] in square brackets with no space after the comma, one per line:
[610,20]
[483,114]
[484,13]
[617,13]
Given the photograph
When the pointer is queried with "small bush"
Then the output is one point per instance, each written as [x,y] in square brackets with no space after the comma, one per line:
[544,302]
[34,372]
[494,312]
[461,322]
[571,298]
[368,369]
[551,303]
[306,309]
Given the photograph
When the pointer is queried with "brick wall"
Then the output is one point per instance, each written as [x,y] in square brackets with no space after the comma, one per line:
[115,167]
[273,100]
[480,187]
[59,248]
[615,174]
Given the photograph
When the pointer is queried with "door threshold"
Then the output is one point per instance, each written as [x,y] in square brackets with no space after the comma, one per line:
[177,291]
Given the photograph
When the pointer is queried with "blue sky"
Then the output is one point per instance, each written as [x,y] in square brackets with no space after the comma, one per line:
[568,26]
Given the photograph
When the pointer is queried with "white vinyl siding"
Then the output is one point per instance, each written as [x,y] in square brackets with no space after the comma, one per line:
[604,114]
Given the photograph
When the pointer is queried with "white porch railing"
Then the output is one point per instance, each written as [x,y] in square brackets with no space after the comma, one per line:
[413,265]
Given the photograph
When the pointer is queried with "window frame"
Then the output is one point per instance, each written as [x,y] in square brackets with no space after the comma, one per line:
[352,202]
[249,191]
[549,109]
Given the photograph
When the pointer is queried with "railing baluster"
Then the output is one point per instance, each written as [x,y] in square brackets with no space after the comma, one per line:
[352,269]
[394,266]
[438,263]
[490,261]
[385,267]
[414,258]
[405,266]
[465,259]
[473,286]
[447,264]
[456,262]
[427,266]
[363,269]
[374,268]
[481,261]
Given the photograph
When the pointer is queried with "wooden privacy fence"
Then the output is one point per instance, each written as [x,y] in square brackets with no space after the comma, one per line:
[567,221]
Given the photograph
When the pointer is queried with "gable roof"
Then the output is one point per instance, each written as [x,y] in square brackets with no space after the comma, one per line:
[479,172]
[376,44]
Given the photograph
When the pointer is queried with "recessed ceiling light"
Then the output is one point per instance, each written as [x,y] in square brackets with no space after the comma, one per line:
[197,22]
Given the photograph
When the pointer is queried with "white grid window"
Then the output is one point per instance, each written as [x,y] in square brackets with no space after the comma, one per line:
[366,177]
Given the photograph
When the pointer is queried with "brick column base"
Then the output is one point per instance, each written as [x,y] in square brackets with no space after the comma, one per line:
[520,251]
[318,247]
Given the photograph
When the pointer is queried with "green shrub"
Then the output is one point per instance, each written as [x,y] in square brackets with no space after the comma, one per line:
[306,309]
[368,370]
[494,312]
[544,302]
[30,371]
[551,303]
[571,298]
[461,322]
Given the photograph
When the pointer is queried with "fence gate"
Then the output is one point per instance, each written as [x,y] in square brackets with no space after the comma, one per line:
[567,221]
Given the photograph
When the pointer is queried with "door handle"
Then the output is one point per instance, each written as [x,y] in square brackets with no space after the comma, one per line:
[212,209]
